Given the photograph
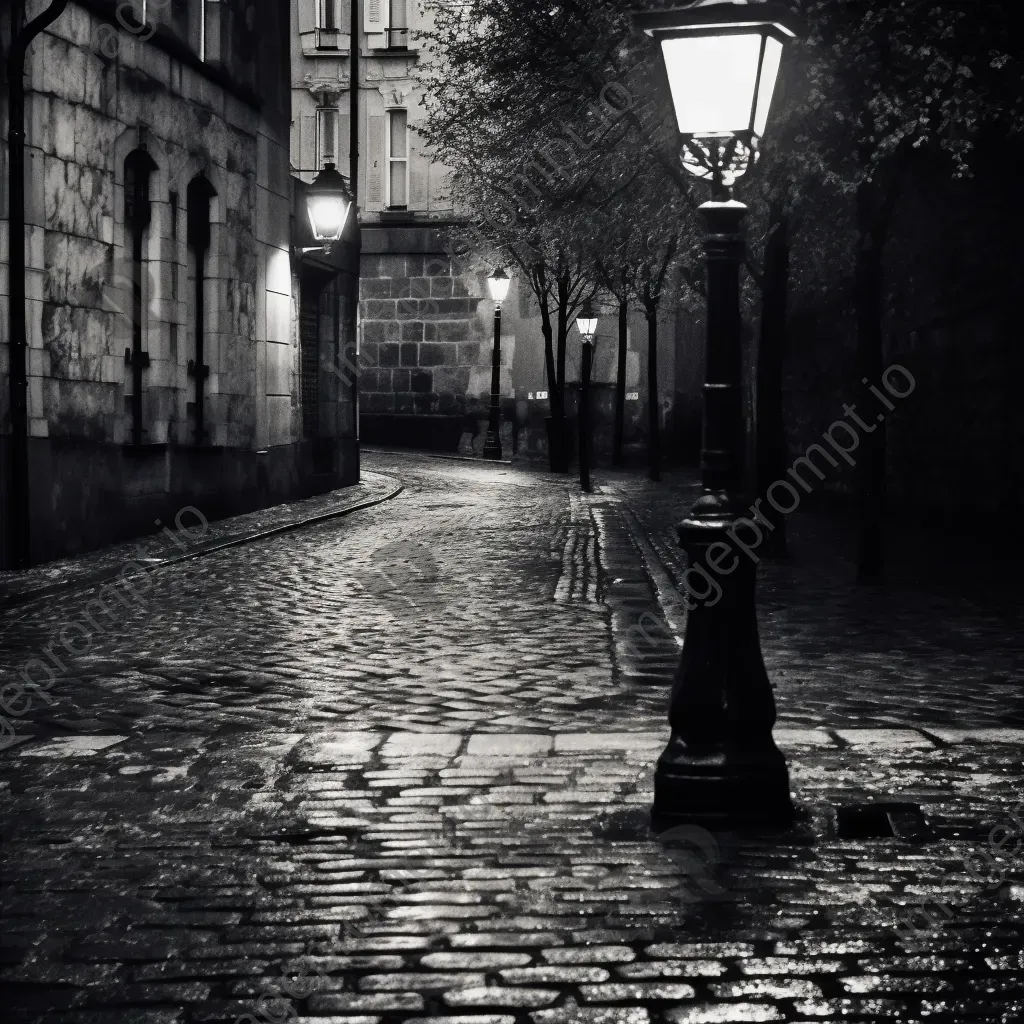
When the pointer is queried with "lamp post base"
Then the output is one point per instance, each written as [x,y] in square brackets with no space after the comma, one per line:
[721,789]
[492,445]
[721,768]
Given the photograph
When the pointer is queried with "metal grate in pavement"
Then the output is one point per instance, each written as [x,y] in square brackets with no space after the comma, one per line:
[883,821]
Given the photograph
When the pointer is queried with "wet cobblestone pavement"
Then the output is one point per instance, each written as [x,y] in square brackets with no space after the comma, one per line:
[396,767]
[942,642]
[387,877]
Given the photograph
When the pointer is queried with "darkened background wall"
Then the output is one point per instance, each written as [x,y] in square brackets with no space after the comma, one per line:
[954,266]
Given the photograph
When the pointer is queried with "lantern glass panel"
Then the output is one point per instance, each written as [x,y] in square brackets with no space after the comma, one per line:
[769,74]
[498,287]
[713,80]
[327,216]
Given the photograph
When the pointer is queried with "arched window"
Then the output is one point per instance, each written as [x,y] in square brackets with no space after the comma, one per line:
[197,201]
[138,166]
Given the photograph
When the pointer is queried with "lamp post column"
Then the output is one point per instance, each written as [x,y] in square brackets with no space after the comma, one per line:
[721,767]
[584,416]
[492,444]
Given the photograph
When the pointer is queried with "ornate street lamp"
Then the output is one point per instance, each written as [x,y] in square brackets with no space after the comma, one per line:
[586,324]
[722,58]
[328,201]
[721,767]
[498,284]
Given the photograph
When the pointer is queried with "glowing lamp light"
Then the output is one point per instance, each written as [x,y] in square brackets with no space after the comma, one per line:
[586,324]
[722,60]
[498,284]
[328,201]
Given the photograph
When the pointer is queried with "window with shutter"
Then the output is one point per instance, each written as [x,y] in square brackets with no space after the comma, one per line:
[376,157]
[373,16]
[175,16]
[197,27]
[398,159]
[328,14]
[209,29]
[309,13]
[328,31]
[375,23]
[398,25]
[419,174]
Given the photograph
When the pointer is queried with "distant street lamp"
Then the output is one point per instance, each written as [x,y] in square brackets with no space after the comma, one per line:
[328,201]
[586,324]
[498,284]
[721,767]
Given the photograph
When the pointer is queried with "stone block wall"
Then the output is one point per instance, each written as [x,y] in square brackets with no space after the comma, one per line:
[427,332]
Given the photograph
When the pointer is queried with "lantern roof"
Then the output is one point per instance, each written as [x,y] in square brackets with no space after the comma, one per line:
[330,180]
[720,14]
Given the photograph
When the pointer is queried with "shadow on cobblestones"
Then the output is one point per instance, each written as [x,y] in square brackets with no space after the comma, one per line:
[928,647]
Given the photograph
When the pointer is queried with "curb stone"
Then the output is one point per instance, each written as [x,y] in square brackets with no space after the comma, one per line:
[99,577]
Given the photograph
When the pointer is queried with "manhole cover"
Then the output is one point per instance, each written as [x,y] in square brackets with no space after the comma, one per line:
[883,821]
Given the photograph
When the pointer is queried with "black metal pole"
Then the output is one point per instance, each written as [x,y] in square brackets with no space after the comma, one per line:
[353,102]
[653,410]
[357,240]
[620,384]
[18,494]
[721,767]
[583,418]
[492,444]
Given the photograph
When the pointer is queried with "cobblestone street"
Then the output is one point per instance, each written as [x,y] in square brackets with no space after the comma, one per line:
[395,765]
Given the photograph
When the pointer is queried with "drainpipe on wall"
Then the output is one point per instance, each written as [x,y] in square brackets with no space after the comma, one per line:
[137,214]
[18,498]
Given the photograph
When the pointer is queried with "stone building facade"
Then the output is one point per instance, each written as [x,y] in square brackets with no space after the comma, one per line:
[427,326]
[164,354]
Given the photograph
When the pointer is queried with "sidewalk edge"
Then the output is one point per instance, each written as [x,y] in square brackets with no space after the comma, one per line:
[73,586]
[417,453]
